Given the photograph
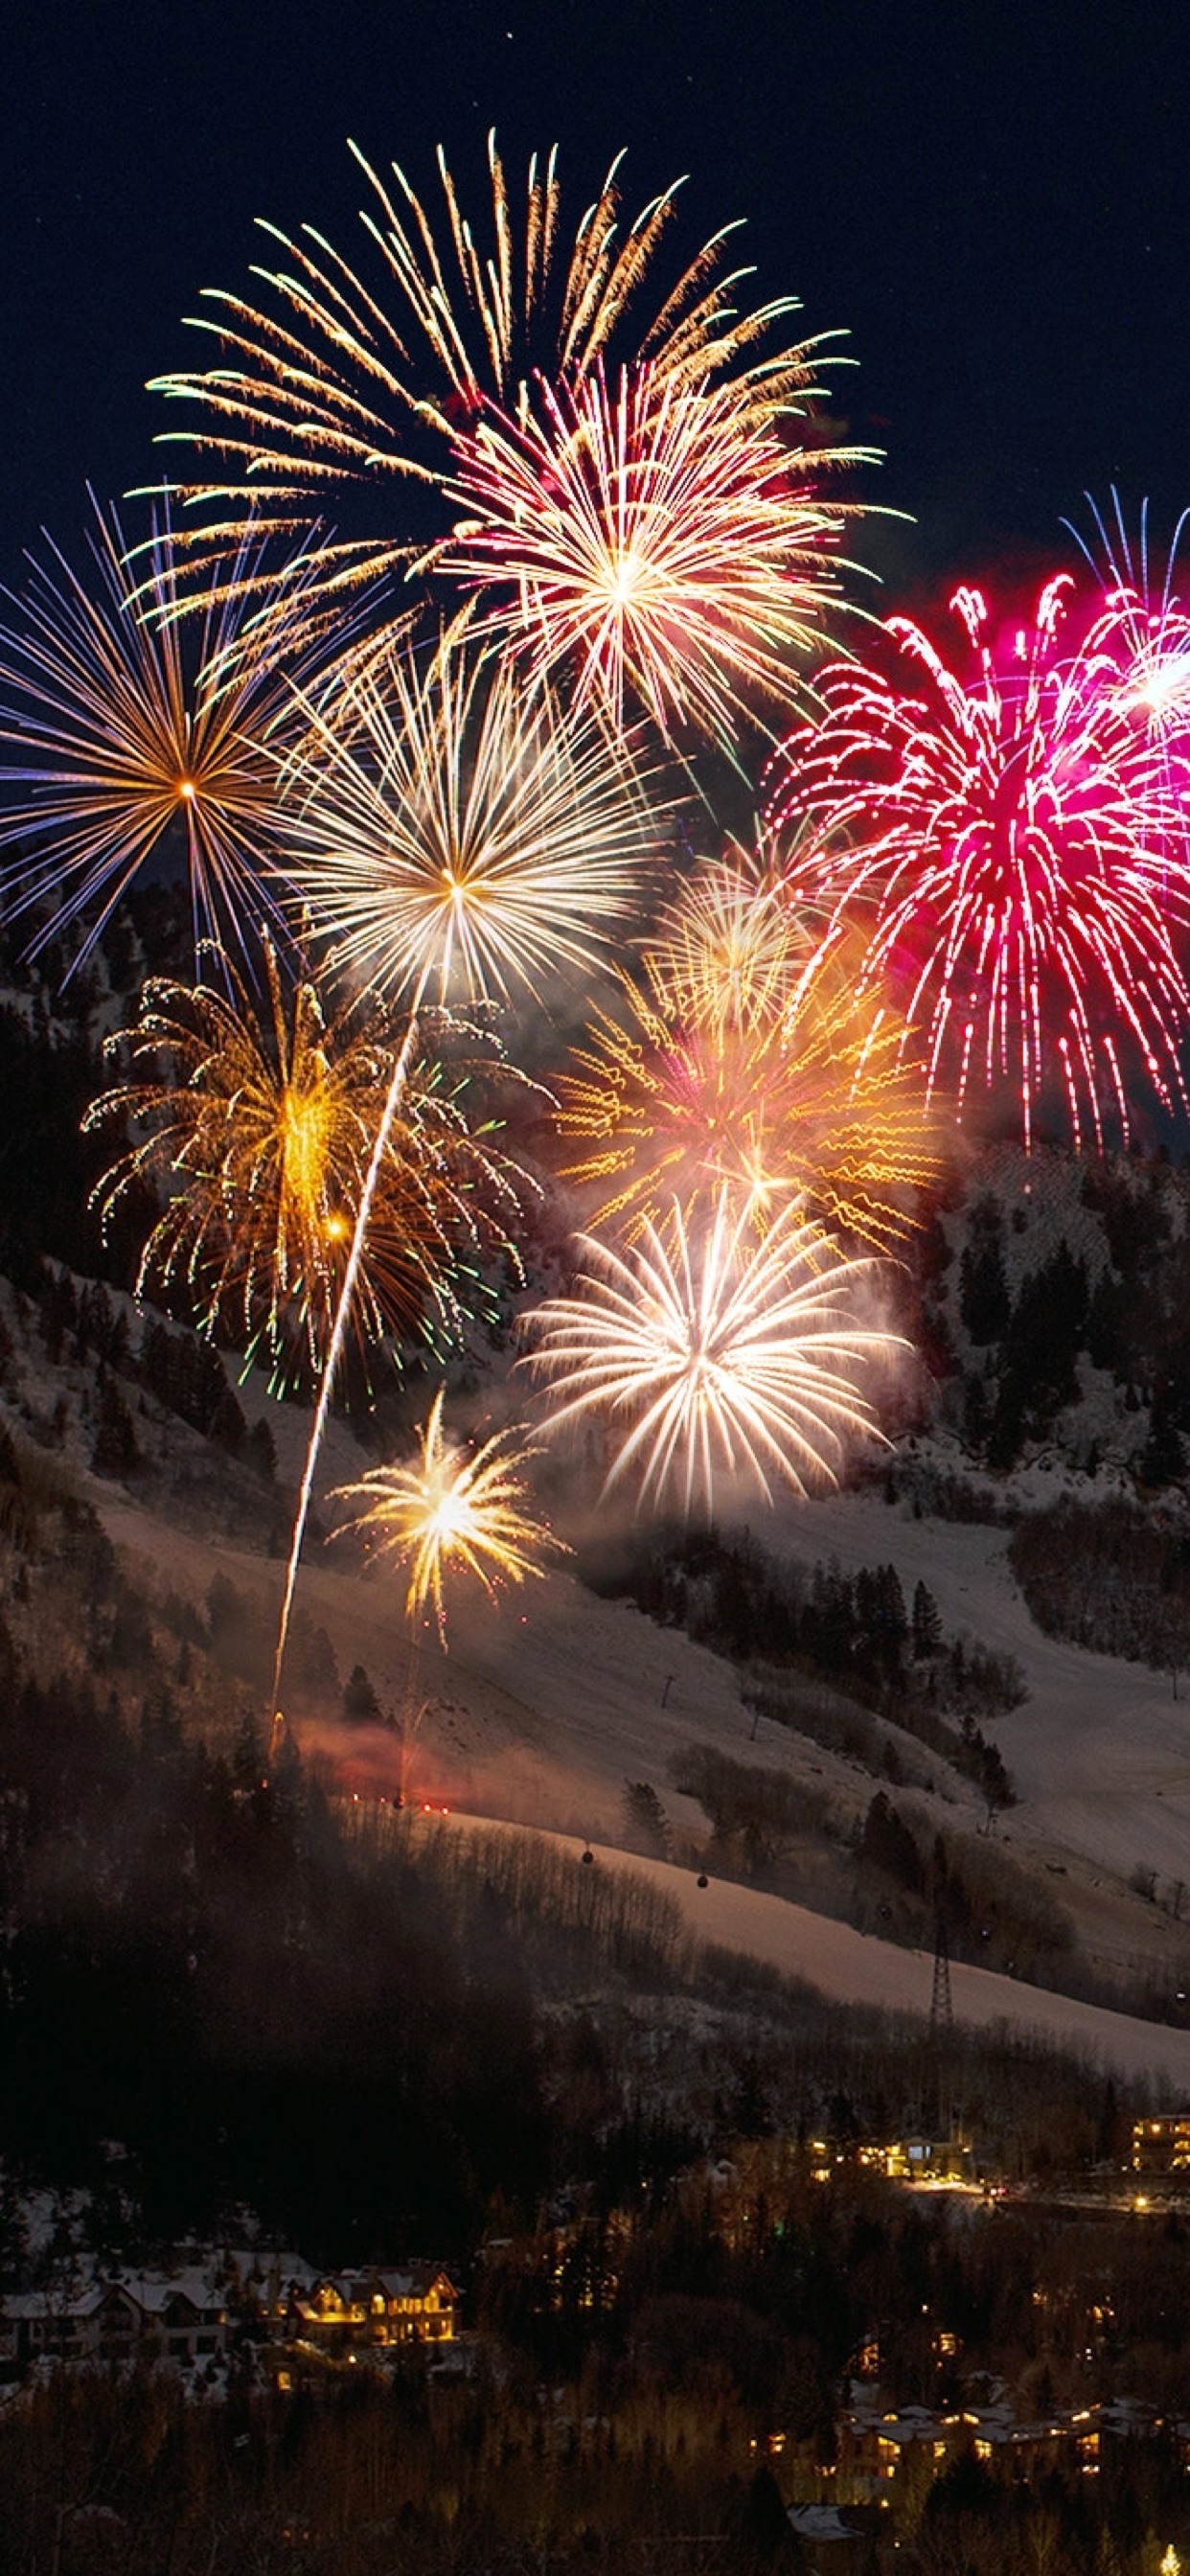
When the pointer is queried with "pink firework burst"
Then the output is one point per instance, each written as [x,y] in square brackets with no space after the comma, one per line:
[1010,838]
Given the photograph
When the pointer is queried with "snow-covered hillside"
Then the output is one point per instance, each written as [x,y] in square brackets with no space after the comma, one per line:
[545,1708]
[540,1712]
[852,1968]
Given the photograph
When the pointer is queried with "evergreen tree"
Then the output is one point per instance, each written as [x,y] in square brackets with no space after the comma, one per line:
[312,1659]
[1163,1459]
[360,1704]
[927,1624]
[59,1312]
[1109,1340]
[1047,1331]
[1007,1429]
[114,1451]
[983,1291]
[766,2538]
[888,1845]
[99,1328]
[260,1451]
[647,1819]
[247,1756]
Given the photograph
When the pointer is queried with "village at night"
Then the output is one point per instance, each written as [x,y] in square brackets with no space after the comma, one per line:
[595,1294]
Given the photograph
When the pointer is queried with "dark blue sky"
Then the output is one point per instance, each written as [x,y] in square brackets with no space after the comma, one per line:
[994,200]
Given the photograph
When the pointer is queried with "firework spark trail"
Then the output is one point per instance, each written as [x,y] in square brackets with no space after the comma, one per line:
[465,835]
[452,1508]
[333,382]
[334,1351]
[719,1353]
[121,735]
[1010,846]
[654,543]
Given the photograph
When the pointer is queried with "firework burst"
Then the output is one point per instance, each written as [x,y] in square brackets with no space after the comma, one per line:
[654,543]
[741,1063]
[730,948]
[125,736]
[450,833]
[717,1355]
[455,1510]
[1144,629]
[334,382]
[1008,844]
[255,1122]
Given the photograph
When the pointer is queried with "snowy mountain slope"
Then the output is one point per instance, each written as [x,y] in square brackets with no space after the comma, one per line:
[1099,1753]
[540,1712]
[545,1708]
[851,1967]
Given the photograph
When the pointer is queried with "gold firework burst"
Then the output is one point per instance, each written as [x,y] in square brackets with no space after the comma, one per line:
[339,379]
[654,543]
[450,831]
[741,1063]
[455,1510]
[124,733]
[729,948]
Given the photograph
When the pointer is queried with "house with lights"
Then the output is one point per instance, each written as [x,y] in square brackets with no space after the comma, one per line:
[190,2316]
[1161,2144]
[374,2310]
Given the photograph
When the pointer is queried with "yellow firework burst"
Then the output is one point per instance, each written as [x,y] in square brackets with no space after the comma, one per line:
[339,378]
[715,1355]
[769,1083]
[125,734]
[455,1510]
[655,543]
[257,1122]
[450,832]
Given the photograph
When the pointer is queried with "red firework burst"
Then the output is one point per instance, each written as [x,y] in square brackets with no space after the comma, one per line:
[1013,846]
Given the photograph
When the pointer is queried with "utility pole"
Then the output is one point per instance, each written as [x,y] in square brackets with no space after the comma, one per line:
[941,2005]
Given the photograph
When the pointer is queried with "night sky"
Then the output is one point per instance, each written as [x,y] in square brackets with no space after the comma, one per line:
[993,201]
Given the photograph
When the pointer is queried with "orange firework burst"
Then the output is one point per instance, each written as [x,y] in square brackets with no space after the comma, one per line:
[657,543]
[257,1125]
[455,1509]
[124,736]
[767,1082]
[717,1355]
[333,381]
